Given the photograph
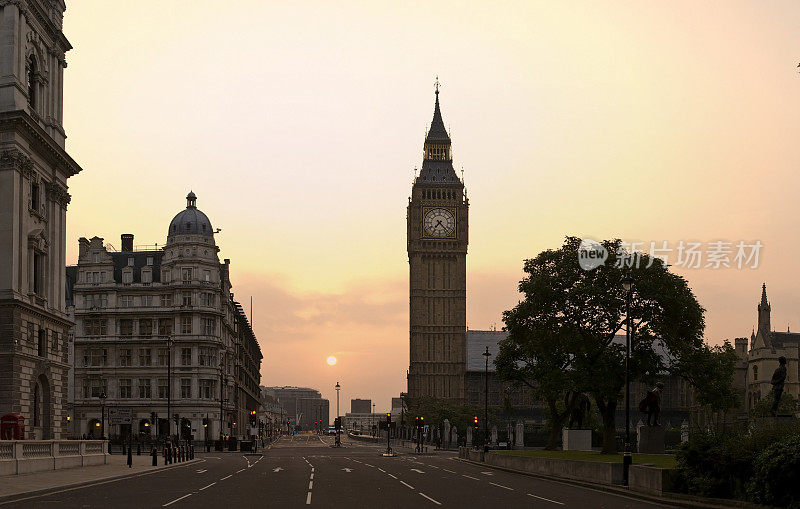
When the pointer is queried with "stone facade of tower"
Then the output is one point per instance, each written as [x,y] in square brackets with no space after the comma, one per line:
[437,254]
[34,168]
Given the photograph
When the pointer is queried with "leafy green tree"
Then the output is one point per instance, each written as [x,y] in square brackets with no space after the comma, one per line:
[562,334]
[787,405]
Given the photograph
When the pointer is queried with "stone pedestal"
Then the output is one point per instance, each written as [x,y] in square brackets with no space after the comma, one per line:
[519,436]
[494,436]
[650,439]
[576,439]
[469,436]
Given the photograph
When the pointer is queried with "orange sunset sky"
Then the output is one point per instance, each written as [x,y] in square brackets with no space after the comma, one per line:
[299,125]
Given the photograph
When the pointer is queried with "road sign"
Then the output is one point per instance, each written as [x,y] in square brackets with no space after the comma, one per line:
[119,416]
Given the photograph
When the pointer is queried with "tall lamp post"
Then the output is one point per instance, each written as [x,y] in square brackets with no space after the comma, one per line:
[627,285]
[338,429]
[486,356]
[221,387]
[103,415]
[169,385]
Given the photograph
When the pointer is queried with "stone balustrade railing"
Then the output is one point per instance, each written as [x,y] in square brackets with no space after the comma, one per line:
[25,456]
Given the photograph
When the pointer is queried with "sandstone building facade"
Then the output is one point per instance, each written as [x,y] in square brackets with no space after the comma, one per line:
[158,333]
[34,168]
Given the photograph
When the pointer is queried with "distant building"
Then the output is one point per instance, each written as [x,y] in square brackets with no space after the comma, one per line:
[305,408]
[364,422]
[757,364]
[360,406]
[148,317]
[271,414]
[34,168]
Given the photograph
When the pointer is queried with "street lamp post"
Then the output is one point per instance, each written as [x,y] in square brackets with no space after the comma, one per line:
[339,428]
[627,285]
[221,386]
[103,415]
[372,422]
[402,416]
[486,356]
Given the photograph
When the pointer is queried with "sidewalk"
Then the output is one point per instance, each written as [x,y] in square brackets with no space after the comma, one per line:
[117,467]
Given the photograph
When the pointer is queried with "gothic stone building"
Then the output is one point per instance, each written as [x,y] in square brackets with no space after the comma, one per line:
[757,363]
[437,256]
[159,328]
[34,168]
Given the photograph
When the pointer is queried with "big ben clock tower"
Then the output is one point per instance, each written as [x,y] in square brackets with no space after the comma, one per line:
[437,253]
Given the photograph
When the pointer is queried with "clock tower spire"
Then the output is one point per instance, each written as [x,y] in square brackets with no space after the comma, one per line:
[437,251]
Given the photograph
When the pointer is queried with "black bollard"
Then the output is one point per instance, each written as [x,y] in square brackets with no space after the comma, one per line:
[130,458]
[138,448]
[154,452]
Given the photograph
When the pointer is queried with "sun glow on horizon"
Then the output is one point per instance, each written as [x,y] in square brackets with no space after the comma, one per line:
[331,360]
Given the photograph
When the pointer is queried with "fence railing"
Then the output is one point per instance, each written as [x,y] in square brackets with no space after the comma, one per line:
[24,456]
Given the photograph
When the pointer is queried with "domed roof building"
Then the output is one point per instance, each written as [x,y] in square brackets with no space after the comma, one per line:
[191,221]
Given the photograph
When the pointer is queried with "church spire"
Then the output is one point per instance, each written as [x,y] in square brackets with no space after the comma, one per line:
[763,312]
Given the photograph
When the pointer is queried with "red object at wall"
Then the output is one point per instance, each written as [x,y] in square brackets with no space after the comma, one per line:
[12,427]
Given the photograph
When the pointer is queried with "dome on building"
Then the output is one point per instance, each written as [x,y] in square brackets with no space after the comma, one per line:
[190,221]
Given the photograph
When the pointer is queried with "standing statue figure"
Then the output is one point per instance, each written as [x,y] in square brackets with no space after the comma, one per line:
[651,404]
[778,381]
[580,408]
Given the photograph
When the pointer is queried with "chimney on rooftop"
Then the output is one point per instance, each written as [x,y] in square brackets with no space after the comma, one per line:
[127,242]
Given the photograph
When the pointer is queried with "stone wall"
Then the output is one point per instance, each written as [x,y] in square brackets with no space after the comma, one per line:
[26,456]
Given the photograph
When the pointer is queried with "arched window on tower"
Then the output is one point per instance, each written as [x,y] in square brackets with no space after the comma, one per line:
[755,372]
[32,77]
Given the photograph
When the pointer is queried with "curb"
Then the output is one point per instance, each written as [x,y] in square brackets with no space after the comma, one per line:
[8,499]
[673,499]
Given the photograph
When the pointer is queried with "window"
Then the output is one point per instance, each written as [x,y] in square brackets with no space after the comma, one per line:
[755,372]
[145,327]
[187,298]
[166,276]
[125,357]
[162,388]
[94,327]
[186,356]
[99,356]
[147,277]
[95,257]
[207,389]
[38,273]
[93,387]
[165,327]
[207,299]
[149,260]
[145,357]
[186,325]
[205,357]
[162,356]
[166,300]
[97,300]
[130,261]
[126,327]
[127,277]
[209,326]
[41,344]
[186,275]
[186,388]
[144,388]
[125,388]
[147,301]
[207,276]
[35,196]
[33,72]
[127,301]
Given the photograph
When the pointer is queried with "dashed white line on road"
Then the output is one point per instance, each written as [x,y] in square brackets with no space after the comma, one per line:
[433,466]
[406,484]
[308,499]
[501,486]
[390,475]
[210,485]
[176,500]
[310,485]
[432,500]
[312,476]
[201,471]
[470,477]
[240,470]
[546,499]
[382,470]
[449,471]
[367,464]
[226,477]
[487,473]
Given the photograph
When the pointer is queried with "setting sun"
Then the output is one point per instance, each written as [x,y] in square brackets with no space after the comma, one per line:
[331,360]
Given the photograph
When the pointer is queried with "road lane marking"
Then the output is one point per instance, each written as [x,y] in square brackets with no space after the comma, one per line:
[210,485]
[406,484]
[417,470]
[226,477]
[433,466]
[240,470]
[432,500]
[487,473]
[312,476]
[201,471]
[308,499]
[470,477]
[312,469]
[176,500]
[382,470]
[449,471]
[547,499]
[390,475]
[501,486]
[367,464]
[277,469]
[310,485]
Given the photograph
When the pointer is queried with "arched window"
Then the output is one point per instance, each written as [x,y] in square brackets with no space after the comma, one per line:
[32,72]
[755,372]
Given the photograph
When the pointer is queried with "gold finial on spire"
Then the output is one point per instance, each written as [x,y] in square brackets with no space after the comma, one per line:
[436,84]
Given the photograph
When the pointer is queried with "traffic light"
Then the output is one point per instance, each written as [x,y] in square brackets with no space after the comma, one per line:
[252,417]
[475,422]
[205,422]
[388,417]
[337,423]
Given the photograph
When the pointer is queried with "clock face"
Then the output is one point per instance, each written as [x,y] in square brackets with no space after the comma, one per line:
[439,223]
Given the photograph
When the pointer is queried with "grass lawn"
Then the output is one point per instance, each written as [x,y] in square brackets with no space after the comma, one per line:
[658,460]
